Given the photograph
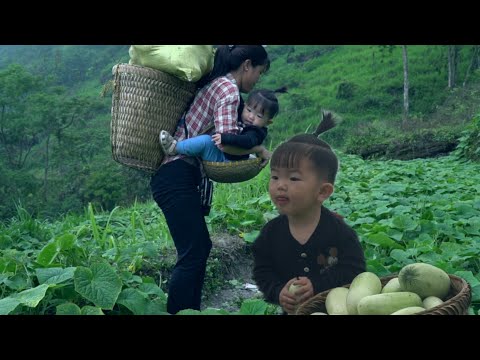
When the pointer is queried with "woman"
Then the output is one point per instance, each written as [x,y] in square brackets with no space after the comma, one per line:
[175,186]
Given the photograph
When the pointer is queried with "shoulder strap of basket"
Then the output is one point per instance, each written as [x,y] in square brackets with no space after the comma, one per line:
[207,130]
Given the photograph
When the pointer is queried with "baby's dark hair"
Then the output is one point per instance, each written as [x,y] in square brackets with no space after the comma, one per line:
[309,146]
[230,57]
[266,100]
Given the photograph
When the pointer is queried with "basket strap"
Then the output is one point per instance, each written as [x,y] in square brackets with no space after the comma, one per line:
[208,129]
[116,83]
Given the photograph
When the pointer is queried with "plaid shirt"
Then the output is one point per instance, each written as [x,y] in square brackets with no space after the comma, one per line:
[216,103]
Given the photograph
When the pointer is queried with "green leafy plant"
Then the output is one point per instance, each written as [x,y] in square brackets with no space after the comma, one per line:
[469,143]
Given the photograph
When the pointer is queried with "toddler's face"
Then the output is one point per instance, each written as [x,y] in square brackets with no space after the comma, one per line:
[296,191]
[255,116]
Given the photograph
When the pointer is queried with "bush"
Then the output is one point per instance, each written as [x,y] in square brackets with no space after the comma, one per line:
[345,90]
[366,136]
[110,184]
[469,146]
[377,140]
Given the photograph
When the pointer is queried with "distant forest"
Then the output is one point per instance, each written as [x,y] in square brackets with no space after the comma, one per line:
[55,153]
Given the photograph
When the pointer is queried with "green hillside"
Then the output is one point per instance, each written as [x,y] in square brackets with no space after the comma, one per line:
[55,143]
[364,85]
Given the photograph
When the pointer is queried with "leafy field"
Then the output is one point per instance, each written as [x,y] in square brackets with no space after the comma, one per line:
[112,263]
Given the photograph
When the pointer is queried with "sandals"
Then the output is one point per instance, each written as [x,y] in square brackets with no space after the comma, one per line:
[168,143]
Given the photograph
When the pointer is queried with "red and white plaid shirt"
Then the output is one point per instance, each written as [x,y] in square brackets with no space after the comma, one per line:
[216,103]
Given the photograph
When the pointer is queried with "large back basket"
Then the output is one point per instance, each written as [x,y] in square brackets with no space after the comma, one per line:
[456,303]
[144,102]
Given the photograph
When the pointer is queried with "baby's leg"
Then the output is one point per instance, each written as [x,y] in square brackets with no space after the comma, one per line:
[202,146]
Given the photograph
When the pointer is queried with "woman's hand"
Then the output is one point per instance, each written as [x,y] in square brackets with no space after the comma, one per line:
[217,139]
[265,155]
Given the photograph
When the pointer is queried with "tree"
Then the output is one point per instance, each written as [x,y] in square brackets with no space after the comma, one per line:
[452,65]
[56,111]
[476,51]
[405,84]
[18,134]
[35,115]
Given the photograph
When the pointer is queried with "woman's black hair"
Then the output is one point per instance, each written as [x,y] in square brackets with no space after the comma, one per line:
[230,57]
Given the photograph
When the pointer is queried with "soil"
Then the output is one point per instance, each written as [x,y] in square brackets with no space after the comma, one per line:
[239,285]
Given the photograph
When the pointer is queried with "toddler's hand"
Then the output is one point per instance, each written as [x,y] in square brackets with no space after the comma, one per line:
[306,291]
[287,300]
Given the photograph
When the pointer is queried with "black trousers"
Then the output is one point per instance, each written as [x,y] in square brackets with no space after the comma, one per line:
[175,190]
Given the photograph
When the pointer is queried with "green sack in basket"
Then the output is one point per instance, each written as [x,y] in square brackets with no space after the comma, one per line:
[187,62]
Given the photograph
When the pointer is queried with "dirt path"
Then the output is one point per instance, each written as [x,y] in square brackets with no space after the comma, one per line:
[239,284]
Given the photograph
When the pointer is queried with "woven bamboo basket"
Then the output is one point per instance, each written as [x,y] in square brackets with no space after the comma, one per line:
[457,301]
[144,102]
[233,171]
